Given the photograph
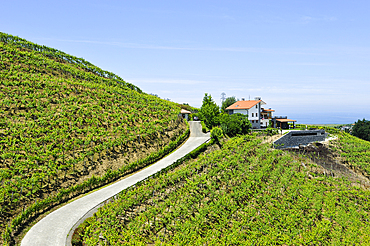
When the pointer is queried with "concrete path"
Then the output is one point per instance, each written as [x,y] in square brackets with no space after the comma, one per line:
[53,230]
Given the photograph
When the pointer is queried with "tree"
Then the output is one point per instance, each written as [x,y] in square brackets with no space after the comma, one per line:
[209,112]
[235,124]
[228,102]
[361,129]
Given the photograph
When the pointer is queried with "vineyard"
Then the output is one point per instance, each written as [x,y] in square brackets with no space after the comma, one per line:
[46,60]
[243,193]
[355,152]
[67,127]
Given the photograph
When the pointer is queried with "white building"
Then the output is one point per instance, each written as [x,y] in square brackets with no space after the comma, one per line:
[253,109]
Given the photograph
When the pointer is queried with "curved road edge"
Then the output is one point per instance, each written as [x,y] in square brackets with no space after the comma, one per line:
[54,228]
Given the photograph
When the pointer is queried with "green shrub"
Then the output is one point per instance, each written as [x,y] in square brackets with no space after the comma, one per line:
[235,124]
[217,133]
[271,131]
[204,128]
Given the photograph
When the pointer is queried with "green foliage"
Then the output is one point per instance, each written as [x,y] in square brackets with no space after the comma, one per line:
[228,102]
[186,106]
[60,118]
[204,128]
[271,131]
[58,60]
[195,115]
[242,194]
[217,133]
[355,151]
[361,129]
[92,183]
[235,124]
[270,124]
[209,112]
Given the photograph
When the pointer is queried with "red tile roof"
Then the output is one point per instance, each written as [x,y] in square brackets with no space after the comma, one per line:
[243,104]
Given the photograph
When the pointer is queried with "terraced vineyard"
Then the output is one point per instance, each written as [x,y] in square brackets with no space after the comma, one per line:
[67,127]
[244,193]
[355,152]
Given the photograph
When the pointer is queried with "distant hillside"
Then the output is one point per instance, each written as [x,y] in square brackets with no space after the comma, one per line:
[58,63]
[67,126]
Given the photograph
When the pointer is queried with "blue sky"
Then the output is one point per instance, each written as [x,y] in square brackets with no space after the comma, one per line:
[308,60]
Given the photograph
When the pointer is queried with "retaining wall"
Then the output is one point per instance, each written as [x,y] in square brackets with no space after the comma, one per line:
[296,138]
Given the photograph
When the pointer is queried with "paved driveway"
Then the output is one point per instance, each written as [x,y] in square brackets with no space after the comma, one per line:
[53,230]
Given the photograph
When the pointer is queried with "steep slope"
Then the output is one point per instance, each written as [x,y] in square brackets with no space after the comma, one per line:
[40,60]
[354,152]
[67,127]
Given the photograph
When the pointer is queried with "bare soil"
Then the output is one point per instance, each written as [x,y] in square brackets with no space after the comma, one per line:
[331,163]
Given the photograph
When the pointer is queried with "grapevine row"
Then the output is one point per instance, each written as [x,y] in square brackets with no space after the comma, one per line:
[62,127]
[241,194]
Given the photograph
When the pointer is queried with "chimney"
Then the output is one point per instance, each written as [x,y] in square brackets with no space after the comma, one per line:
[257,98]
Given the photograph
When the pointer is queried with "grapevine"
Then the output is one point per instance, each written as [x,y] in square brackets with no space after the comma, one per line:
[243,193]
[67,127]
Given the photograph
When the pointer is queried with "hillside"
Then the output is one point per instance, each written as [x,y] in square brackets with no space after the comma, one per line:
[67,127]
[243,193]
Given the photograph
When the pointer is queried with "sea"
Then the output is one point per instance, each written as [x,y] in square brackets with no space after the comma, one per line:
[328,117]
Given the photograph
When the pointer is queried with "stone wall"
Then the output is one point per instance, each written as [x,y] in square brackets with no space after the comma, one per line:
[296,138]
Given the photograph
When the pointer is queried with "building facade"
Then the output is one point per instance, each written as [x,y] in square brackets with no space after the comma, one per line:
[259,116]
[252,108]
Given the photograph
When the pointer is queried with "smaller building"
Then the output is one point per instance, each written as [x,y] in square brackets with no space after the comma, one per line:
[184,114]
[346,128]
[282,122]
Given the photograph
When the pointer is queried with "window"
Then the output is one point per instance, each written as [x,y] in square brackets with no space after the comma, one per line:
[252,114]
[257,106]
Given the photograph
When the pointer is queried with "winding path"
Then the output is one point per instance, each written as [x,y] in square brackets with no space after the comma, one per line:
[55,227]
